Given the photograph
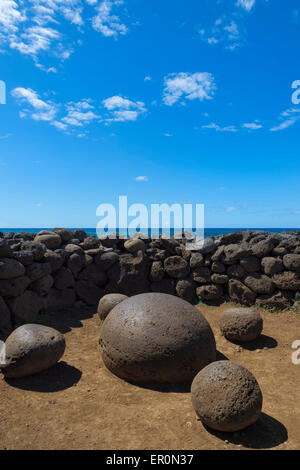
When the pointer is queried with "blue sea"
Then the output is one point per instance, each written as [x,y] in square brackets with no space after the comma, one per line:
[208,232]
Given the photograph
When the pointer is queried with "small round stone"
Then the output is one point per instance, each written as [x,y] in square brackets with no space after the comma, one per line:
[32,348]
[156,338]
[241,324]
[108,302]
[226,396]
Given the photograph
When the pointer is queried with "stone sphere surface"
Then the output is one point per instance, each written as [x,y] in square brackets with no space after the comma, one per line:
[241,324]
[108,302]
[226,396]
[32,348]
[156,338]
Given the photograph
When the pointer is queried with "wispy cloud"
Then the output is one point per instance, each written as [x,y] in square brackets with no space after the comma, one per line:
[186,86]
[224,31]
[34,107]
[36,27]
[79,114]
[122,109]
[69,117]
[141,178]
[253,126]
[287,119]
[246,4]
[107,23]
[218,128]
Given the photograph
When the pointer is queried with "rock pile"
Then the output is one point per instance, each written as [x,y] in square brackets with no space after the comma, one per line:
[54,270]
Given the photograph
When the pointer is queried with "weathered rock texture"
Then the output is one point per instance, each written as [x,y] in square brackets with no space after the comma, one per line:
[241,324]
[226,396]
[31,349]
[52,270]
[156,338]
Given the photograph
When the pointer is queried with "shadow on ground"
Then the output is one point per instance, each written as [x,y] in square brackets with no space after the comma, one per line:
[263,341]
[65,320]
[59,377]
[266,433]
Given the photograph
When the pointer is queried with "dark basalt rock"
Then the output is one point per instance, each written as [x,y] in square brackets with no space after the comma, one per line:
[31,349]
[241,324]
[210,292]
[226,396]
[108,302]
[10,268]
[186,289]
[238,292]
[156,338]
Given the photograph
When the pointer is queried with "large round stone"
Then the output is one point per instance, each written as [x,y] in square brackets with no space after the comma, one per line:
[32,348]
[108,302]
[156,338]
[226,396]
[241,324]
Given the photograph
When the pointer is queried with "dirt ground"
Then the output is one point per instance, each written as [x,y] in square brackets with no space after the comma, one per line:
[79,404]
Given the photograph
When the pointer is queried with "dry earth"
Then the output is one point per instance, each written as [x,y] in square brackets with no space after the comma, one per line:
[78,404]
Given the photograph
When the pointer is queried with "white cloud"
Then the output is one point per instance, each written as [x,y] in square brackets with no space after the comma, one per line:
[34,40]
[231,209]
[122,109]
[288,118]
[141,178]
[246,4]
[188,86]
[252,126]
[39,110]
[10,16]
[147,78]
[71,116]
[73,15]
[225,31]
[218,128]
[105,22]
[33,27]
[168,135]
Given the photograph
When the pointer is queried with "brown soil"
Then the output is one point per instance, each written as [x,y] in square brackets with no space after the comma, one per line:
[78,404]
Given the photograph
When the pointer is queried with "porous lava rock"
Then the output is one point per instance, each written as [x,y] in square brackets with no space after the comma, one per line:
[226,396]
[108,302]
[50,239]
[238,292]
[156,338]
[134,245]
[32,348]
[241,324]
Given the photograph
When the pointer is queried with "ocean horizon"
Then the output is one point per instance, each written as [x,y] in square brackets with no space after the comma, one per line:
[208,232]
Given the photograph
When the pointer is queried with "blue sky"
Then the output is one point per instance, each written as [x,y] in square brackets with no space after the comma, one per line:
[161,101]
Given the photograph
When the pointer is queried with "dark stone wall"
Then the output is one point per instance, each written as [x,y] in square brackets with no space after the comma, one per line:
[54,270]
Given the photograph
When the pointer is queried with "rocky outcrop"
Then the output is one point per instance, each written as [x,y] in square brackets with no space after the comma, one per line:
[53,270]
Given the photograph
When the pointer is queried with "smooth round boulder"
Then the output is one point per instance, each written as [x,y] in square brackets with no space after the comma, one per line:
[32,348]
[241,324]
[156,338]
[226,396]
[108,302]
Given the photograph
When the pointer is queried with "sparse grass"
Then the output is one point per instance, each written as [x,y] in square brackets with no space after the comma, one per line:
[269,308]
